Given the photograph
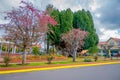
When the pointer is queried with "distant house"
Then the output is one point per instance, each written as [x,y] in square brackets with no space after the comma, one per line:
[112,44]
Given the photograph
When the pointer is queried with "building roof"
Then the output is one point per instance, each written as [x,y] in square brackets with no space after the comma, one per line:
[116,39]
[105,42]
[102,43]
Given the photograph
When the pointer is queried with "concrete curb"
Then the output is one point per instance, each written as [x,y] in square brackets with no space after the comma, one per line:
[58,67]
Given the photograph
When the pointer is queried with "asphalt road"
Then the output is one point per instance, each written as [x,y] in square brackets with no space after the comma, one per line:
[106,72]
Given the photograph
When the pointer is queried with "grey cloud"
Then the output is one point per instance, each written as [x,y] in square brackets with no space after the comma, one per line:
[41,4]
[85,3]
[8,4]
[109,10]
[110,14]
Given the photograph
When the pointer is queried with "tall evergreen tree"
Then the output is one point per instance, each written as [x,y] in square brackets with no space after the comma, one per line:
[55,33]
[83,20]
[66,20]
[49,9]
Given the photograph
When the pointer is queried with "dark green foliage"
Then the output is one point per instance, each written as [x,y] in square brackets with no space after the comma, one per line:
[93,50]
[83,19]
[6,60]
[49,10]
[35,51]
[68,20]
[65,22]
[54,34]
[87,60]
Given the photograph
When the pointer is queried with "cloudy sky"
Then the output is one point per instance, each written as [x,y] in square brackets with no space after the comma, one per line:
[106,13]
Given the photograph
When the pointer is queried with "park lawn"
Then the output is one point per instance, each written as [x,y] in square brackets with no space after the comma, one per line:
[68,61]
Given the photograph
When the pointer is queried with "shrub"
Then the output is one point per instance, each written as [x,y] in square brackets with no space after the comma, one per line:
[6,60]
[4,48]
[87,60]
[35,50]
[50,58]
[95,58]
[93,50]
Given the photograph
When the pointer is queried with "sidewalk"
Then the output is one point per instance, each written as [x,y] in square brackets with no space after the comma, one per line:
[40,68]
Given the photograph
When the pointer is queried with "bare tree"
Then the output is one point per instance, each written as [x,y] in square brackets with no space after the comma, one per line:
[107,50]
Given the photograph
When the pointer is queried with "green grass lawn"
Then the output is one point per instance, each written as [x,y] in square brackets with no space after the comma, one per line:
[79,60]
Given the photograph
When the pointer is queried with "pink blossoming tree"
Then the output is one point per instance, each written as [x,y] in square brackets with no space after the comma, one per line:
[26,26]
[74,39]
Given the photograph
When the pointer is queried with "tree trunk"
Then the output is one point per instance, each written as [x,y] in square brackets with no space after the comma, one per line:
[110,55]
[47,45]
[74,55]
[24,57]
[53,50]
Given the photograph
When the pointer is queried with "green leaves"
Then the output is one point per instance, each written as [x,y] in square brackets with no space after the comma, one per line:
[68,20]
[35,50]
[83,19]
[65,23]
[93,50]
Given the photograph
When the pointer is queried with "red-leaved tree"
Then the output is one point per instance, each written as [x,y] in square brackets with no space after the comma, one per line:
[26,26]
[74,39]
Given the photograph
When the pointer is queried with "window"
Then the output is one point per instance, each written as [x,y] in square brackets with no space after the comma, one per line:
[112,43]
[119,43]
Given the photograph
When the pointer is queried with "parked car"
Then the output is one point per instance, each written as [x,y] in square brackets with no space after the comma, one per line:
[114,54]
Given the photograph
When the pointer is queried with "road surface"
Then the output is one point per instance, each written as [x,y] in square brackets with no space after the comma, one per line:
[106,72]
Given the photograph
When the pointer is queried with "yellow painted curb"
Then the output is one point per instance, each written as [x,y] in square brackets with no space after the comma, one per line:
[58,67]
